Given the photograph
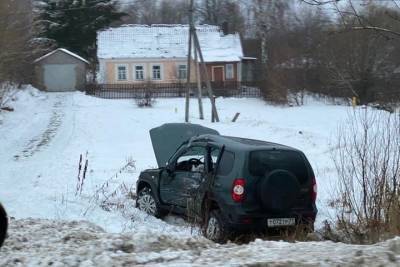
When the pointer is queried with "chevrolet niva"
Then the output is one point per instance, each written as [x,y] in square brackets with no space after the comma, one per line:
[229,184]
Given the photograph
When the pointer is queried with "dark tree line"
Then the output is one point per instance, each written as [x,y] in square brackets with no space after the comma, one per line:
[16,42]
[343,55]
[73,24]
[213,12]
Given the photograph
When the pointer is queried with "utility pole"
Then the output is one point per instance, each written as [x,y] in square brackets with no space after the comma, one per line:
[214,112]
[199,90]
[193,38]
[191,28]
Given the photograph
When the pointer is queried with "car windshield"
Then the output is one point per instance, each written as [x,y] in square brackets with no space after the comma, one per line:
[264,161]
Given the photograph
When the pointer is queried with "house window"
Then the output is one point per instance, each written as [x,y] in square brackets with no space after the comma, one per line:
[139,72]
[182,72]
[156,72]
[121,72]
[229,71]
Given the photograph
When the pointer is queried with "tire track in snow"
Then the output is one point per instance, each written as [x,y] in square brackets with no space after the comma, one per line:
[41,141]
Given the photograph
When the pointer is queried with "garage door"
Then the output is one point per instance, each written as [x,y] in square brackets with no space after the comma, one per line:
[60,77]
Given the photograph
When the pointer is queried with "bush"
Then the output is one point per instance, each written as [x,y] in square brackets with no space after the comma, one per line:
[147,101]
[5,93]
[367,160]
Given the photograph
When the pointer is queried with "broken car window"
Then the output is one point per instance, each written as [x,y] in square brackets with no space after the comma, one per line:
[192,160]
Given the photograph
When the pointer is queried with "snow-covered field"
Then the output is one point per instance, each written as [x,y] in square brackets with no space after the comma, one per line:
[41,142]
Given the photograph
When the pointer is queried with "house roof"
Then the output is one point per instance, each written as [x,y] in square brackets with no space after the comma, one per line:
[167,41]
[249,58]
[64,51]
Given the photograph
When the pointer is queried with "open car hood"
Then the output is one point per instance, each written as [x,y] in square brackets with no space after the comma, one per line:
[167,138]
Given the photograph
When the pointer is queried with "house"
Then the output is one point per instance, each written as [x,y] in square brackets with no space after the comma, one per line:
[158,53]
[60,70]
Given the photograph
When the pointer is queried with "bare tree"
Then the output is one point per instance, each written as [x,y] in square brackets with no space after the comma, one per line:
[367,160]
[15,41]
[226,13]
[272,21]
[156,12]
[363,23]
[173,12]
[360,63]
[302,67]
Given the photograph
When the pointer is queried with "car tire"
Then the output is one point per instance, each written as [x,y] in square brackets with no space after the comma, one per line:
[3,225]
[147,202]
[214,228]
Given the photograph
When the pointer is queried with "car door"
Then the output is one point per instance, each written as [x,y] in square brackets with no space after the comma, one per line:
[212,159]
[188,171]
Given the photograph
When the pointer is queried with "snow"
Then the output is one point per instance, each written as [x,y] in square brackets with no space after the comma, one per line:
[62,50]
[35,242]
[42,140]
[166,41]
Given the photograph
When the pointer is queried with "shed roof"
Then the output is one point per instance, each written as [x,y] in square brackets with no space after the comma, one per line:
[64,51]
[167,41]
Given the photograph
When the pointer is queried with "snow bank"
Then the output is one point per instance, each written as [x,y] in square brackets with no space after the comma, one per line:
[21,96]
[79,243]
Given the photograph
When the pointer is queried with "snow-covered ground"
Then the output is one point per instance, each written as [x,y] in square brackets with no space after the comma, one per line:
[79,243]
[41,142]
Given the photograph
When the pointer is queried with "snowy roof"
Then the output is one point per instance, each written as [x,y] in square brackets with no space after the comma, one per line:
[249,58]
[167,41]
[62,50]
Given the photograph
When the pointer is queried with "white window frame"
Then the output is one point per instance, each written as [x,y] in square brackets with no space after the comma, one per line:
[143,70]
[117,72]
[230,73]
[161,72]
[179,71]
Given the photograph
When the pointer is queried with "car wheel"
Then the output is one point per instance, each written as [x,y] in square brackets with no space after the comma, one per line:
[148,203]
[214,228]
[3,225]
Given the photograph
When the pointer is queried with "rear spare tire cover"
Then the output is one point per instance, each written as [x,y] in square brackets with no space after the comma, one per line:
[278,191]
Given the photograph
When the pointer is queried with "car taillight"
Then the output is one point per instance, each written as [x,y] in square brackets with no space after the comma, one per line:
[314,190]
[238,190]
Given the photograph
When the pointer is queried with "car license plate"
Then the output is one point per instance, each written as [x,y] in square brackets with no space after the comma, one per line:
[281,222]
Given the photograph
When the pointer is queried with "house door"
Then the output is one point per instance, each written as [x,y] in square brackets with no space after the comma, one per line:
[218,73]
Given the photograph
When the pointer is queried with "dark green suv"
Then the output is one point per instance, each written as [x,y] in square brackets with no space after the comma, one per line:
[228,184]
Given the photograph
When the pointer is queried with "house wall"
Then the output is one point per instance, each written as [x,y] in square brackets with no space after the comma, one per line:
[169,70]
[248,70]
[57,59]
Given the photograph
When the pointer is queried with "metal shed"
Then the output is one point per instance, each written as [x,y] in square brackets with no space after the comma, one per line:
[61,70]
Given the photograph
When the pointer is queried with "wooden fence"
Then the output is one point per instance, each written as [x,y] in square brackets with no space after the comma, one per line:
[165,90]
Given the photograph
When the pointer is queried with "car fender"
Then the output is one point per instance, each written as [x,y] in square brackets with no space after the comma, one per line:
[149,179]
